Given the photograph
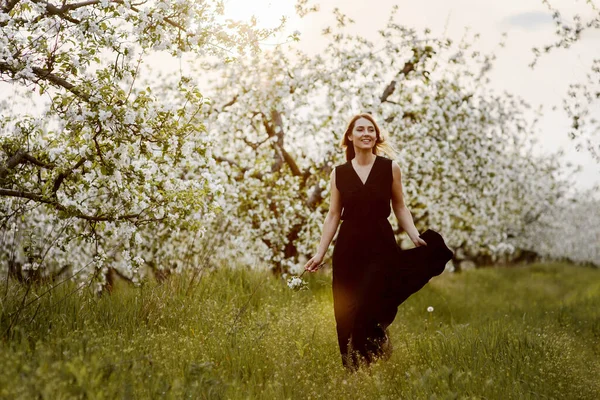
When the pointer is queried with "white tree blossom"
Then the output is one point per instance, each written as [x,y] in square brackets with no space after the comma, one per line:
[466,153]
[107,164]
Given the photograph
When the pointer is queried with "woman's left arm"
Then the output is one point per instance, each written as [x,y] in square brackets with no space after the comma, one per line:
[405,219]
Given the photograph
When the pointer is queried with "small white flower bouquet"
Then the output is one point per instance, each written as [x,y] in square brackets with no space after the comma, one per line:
[296,282]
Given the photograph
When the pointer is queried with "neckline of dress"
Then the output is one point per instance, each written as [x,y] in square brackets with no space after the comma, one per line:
[368,175]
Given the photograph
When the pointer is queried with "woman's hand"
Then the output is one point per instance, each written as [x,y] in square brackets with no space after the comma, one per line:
[314,263]
[418,241]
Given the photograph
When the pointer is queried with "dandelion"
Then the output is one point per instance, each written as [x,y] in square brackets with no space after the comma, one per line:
[429,316]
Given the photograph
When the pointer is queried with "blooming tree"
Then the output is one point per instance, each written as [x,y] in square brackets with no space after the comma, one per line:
[568,231]
[108,164]
[102,159]
[582,100]
[465,152]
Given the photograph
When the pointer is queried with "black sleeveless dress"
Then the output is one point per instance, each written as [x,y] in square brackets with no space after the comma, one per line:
[372,276]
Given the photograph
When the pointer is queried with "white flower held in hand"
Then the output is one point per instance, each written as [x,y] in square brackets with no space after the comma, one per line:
[296,283]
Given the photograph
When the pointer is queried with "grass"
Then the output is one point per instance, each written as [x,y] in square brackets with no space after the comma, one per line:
[495,333]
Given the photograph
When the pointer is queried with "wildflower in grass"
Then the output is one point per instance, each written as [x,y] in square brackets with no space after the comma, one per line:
[429,316]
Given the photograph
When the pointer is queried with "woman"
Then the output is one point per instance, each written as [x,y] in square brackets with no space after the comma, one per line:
[371,274]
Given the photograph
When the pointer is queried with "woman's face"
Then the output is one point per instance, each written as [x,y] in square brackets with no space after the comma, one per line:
[363,135]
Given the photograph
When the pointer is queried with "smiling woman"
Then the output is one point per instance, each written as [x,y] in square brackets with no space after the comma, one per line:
[372,276]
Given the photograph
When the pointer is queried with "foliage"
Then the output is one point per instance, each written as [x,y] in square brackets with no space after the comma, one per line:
[114,163]
[465,152]
[582,100]
[570,230]
[511,333]
[113,170]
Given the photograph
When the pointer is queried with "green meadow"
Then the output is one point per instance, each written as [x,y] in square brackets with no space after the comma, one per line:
[530,332]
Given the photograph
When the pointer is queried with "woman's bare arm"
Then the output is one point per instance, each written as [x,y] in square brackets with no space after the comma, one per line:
[329,226]
[405,219]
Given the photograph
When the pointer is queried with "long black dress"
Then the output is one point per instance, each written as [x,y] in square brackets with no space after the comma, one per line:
[372,275]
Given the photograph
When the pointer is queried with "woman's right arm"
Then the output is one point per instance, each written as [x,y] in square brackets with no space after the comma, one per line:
[329,226]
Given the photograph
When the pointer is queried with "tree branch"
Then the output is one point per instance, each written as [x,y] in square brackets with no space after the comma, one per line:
[59,12]
[317,193]
[253,145]
[48,76]
[243,170]
[74,6]
[12,162]
[58,81]
[41,199]
[62,11]
[10,4]
[18,158]
[65,174]
[229,103]
[37,162]
[271,131]
[290,161]
[391,87]
[387,92]
[25,195]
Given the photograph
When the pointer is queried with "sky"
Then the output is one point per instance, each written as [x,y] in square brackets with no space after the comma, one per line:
[527,24]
